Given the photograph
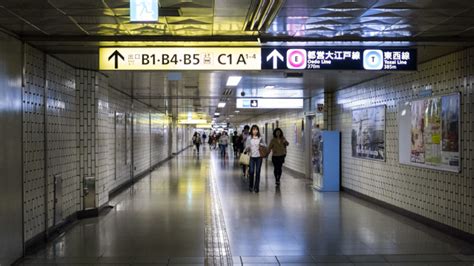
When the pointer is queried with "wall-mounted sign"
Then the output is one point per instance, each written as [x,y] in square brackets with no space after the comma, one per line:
[320,107]
[315,58]
[182,58]
[144,11]
[263,103]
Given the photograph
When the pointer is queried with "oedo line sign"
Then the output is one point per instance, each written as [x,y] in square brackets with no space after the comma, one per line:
[181,58]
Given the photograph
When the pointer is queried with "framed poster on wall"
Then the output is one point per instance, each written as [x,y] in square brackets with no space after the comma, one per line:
[368,133]
[429,132]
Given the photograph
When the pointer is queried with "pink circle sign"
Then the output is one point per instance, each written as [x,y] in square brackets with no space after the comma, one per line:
[293,56]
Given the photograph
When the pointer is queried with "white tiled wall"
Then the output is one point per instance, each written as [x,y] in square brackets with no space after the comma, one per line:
[62,126]
[141,138]
[159,138]
[86,82]
[33,143]
[89,133]
[441,196]
[62,158]
[110,148]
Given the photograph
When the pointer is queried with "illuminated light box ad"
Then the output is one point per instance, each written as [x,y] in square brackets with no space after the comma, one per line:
[346,58]
[262,103]
[179,58]
[143,10]
[368,133]
[429,132]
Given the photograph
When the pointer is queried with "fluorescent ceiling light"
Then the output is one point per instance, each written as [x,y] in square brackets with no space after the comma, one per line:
[203,126]
[233,81]
[269,87]
[192,122]
[217,114]
[221,105]
[237,111]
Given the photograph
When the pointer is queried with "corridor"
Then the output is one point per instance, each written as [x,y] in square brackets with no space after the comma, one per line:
[196,211]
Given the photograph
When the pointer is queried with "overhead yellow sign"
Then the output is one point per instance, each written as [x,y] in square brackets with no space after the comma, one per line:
[180,58]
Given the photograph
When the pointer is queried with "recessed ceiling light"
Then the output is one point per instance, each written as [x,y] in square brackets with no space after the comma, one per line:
[221,105]
[233,81]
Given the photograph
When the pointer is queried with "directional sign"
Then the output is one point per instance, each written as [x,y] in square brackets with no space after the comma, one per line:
[180,58]
[116,56]
[275,56]
[345,58]
[268,103]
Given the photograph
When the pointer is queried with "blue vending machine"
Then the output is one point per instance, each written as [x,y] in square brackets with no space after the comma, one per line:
[326,160]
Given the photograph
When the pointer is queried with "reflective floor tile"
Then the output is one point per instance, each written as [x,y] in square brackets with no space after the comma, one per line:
[331,259]
[258,260]
[295,259]
[367,258]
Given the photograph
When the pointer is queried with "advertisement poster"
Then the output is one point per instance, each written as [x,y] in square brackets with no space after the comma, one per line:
[433,125]
[316,140]
[450,130]
[432,136]
[417,131]
[368,133]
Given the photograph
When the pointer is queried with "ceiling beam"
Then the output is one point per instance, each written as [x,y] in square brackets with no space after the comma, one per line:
[263,39]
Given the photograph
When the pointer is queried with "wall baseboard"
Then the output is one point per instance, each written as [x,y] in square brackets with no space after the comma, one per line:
[419,218]
[42,238]
[127,184]
[294,172]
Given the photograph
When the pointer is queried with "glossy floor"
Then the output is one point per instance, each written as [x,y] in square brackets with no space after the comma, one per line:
[192,209]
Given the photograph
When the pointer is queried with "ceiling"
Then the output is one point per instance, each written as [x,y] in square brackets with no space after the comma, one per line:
[72,30]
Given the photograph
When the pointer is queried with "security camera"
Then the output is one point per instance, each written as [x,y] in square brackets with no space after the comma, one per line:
[242,94]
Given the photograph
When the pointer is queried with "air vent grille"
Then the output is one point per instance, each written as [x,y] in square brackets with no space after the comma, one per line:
[261,14]
[293,75]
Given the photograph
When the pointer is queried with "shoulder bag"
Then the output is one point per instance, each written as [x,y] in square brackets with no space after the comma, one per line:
[244,159]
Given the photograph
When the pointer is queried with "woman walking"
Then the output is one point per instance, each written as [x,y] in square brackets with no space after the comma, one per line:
[197,141]
[278,146]
[223,142]
[242,142]
[257,149]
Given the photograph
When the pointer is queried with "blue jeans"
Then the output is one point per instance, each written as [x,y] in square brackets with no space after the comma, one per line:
[255,166]
[223,148]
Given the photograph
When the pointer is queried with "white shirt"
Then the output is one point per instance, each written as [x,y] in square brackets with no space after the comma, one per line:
[253,144]
[224,140]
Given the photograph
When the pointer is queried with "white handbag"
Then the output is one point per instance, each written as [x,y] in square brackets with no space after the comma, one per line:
[244,159]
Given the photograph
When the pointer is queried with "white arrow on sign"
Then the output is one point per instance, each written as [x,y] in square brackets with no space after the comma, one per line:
[275,55]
